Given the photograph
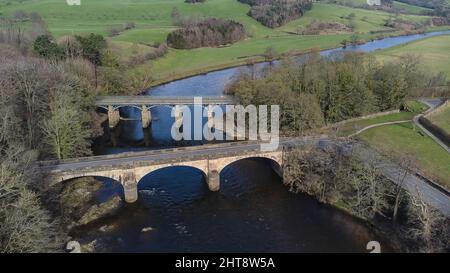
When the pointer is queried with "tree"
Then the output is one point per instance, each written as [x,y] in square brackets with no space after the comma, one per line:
[46,48]
[270,54]
[390,86]
[64,131]
[429,229]
[70,46]
[92,46]
[354,39]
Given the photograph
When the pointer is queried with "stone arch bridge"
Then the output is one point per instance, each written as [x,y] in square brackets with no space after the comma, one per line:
[130,168]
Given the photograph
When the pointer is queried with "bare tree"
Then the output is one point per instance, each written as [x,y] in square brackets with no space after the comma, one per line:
[24,225]
[427,226]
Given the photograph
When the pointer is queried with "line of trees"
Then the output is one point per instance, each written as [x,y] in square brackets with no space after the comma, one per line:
[110,75]
[210,32]
[88,47]
[326,90]
[46,106]
[275,13]
[45,114]
[25,226]
[47,92]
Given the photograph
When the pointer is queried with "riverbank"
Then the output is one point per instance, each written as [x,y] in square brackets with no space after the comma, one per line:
[244,56]
[434,53]
[349,176]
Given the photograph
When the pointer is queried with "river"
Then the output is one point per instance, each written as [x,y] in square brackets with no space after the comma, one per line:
[252,212]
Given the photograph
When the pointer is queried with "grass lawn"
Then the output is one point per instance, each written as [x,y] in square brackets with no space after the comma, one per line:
[398,139]
[365,20]
[434,52]
[354,126]
[153,23]
[442,119]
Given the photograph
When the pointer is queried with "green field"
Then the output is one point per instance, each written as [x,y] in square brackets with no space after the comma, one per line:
[434,53]
[351,127]
[354,126]
[365,20]
[442,119]
[399,139]
[153,23]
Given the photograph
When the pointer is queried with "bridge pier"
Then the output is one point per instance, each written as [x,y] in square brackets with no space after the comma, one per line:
[131,192]
[146,116]
[113,116]
[278,169]
[213,180]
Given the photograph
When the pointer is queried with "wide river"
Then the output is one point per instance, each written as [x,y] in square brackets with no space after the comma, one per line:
[252,212]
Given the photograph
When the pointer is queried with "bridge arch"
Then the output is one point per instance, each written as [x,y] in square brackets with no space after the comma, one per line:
[216,166]
[175,184]
[233,173]
[275,158]
[107,185]
[201,165]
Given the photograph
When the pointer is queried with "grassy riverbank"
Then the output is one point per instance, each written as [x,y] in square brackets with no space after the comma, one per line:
[434,53]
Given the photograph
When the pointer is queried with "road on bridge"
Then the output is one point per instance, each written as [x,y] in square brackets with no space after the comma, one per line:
[166,154]
[159,100]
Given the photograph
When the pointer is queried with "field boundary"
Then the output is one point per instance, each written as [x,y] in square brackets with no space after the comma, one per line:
[436,133]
